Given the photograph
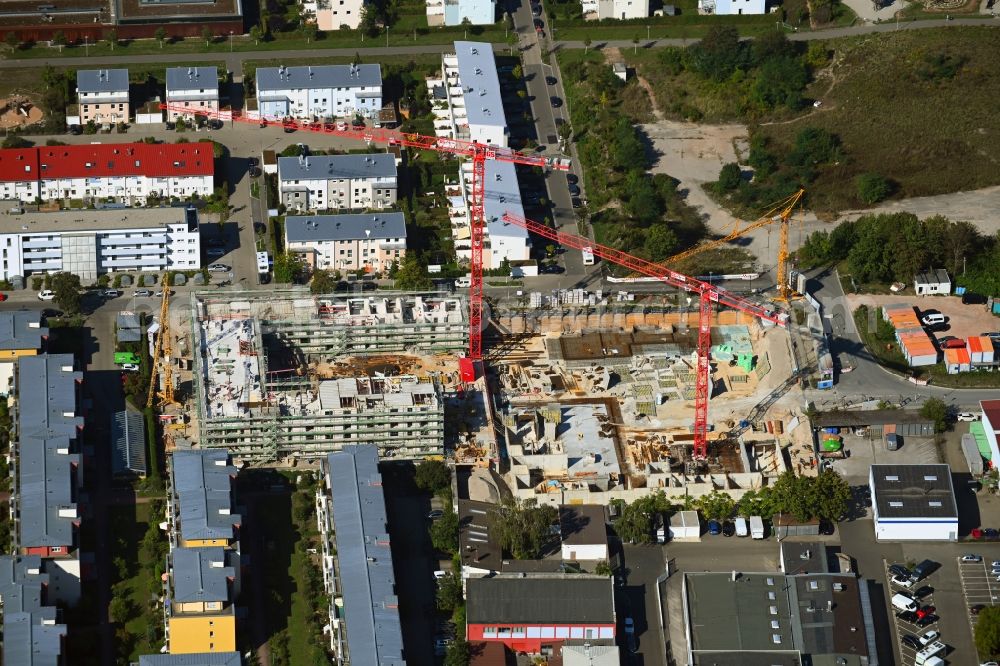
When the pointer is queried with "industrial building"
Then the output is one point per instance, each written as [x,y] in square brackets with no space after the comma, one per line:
[913,503]
[194,89]
[986,430]
[47,470]
[337,182]
[457,12]
[369,242]
[357,561]
[289,374]
[89,243]
[319,92]
[914,342]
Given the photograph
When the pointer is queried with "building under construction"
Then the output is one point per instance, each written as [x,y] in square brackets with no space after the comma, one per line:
[288,374]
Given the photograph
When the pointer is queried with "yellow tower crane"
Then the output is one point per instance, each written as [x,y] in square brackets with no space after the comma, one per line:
[162,352]
[779,212]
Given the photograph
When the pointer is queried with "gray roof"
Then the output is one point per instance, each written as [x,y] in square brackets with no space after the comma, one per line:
[540,599]
[201,574]
[591,655]
[102,80]
[477,72]
[21,329]
[204,659]
[28,639]
[46,481]
[932,276]
[913,491]
[501,195]
[192,78]
[867,417]
[127,327]
[318,76]
[337,167]
[583,524]
[21,583]
[203,487]
[371,609]
[128,439]
[800,557]
[354,226]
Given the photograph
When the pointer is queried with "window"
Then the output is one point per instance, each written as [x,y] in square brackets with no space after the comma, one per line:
[771,596]
[776,638]
[770,582]
[773,610]
[774,624]
[813,585]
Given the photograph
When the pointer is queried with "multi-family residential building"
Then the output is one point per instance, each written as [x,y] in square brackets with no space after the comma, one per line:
[357,561]
[472,108]
[130,173]
[203,659]
[203,586]
[31,635]
[455,12]
[335,14]
[21,334]
[102,95]
[200,503]
[732,7]
[321,92]
[615,9]
[337,182]
[501,195]
[367,241]
[90,243]
[47,471]
[192,91]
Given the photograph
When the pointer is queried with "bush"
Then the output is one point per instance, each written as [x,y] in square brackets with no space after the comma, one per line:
[872,188]
[730,177]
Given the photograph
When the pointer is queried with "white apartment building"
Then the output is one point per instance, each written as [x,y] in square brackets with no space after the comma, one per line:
[615,9]
[337,182]
[367,241]
[453,12]
[732,7]
[196,89]
[319,92]
[335,14]
[93,242]
[468,105]
[102,95]
[128,173]
[501,195]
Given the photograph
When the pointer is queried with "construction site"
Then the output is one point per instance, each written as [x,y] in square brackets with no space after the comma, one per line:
[287,375]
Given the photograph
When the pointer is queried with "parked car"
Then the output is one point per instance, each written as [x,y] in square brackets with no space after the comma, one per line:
[967,416]
[728,529]
[215,123]
[933,318]
[630,634]
[159,293]
[925,611]
[254,172]
[218,268]
[970,557]
[214,252]
[923,570]
[550,80]
[938,328]
[75,130]
[902,581]
[574,190]
[435,514]
[553,269]
[130,367]
[714,527]
[440,573]
[556,102]
[924,591]
[911,641]
[143,293]
[970,298]
[990,533]
[899,570]
[252,162]
[46,295]
[907,616]
[111,293]
[975,610]
[927,620]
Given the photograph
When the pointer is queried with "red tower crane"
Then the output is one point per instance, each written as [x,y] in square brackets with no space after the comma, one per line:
[478,152]
[707,294]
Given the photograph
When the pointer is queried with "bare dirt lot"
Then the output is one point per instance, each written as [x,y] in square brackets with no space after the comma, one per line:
[963,320]
[18,112]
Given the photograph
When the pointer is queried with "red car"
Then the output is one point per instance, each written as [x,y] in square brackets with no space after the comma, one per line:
[3,297]
[925,611]
[951,342]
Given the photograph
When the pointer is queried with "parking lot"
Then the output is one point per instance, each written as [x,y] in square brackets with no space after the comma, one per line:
[866,451]
[904,627]
[980,587]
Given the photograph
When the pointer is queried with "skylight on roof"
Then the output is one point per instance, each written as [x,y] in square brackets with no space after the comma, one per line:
[930,477]
[896,504]
[892,478]
[934,503]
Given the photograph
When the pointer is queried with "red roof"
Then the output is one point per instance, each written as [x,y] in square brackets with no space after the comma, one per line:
[991,410]
[103,160]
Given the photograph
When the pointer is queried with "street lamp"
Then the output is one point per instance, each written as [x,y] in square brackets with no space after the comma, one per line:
[86,45]
[230,41]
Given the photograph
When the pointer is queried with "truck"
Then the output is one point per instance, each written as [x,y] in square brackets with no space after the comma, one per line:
[588,256]
[756,527]
[741,527]
[126,358]
[929,652]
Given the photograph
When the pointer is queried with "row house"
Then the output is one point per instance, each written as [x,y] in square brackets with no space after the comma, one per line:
[319,92]
[192,91]
[368,241]
[102,95]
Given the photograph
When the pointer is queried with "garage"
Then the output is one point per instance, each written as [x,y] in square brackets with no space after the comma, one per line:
[913,503]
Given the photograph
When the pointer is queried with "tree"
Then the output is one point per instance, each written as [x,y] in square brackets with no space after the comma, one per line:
[161,34]
[432,476]
[256,34]
[988,633]
[444,532]
[206,34]
[59,38]
[458,653]
[13,41]
[112,38]
[716,505]
[719,53]
[310,31]
[369,19]
[286,268]
[67,292]
[15,141]
[730,177]
[517,72]
[872,188]
[322,282]
[522,528]
[120,609]
[449,594]
[780,82]
[832,494]
[661,242]
[935,410]
[603,568]
[413,276]
[586,44]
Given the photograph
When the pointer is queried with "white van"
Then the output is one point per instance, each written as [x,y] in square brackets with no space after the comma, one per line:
[931,651]
[903,602]
[741,527]
[463,281]
[932,319]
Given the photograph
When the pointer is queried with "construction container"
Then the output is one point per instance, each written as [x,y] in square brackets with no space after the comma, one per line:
[972,455]
[957,360]
[467,370]
[832,445]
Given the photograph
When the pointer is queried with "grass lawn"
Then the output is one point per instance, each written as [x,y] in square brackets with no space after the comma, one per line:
[929,126]
[129,525]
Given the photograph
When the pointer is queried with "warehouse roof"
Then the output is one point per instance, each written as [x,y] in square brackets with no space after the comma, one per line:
[318,76]
[47,426]
[21,582]
[337,167]
[101,80]
[203,486]
[371,609]
[477,72]
[128,441]
[204,659]
[844,419]
[583,524]
[201,575]
[913,491]
[192,78]
[357,226]
[21,329]
[540,599]
[33,639]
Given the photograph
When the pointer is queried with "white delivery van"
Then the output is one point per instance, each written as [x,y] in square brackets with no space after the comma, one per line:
[756,527]
[741,527]
[463,282]
[930,652]
[903,602]
[588,256]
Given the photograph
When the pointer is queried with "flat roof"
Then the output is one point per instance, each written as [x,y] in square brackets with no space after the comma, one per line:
[799,557]
[201,575]
[140,11]
[739,615]
[346,227]
[583,524]
[913,491]
[308,77]
[101,80]
[477,72]
[202,483]
[337,167]
[868,417]
[72,221]
[540,599]
[371,608]
[21,329]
